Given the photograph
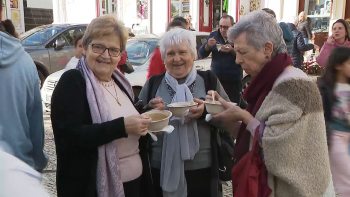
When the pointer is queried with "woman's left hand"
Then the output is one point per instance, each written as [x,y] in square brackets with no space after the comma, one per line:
[233,113]
[196,111]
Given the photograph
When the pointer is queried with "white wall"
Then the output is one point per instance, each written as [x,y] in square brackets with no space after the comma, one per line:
[232,9]
[81,11]
[290,9]
[159,13]
[276,6]
[44,4]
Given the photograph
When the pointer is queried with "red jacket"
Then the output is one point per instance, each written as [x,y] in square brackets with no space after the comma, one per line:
[156,64]
[122,61]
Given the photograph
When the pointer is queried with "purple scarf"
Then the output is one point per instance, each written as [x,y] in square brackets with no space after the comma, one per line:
[109,182]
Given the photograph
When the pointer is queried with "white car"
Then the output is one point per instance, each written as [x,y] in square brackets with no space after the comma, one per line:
[140,50]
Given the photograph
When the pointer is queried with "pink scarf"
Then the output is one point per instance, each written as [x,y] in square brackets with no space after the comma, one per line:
[109,182]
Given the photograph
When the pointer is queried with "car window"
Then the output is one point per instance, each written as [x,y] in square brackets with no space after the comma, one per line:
[140,51]
[41,36]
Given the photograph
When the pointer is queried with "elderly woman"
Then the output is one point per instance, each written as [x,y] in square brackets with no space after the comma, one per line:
[95,123]
[182,162]
[284,115]
[304,27]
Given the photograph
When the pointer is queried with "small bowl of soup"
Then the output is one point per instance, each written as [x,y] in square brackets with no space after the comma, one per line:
[178,109]
[159,119]
[215,107]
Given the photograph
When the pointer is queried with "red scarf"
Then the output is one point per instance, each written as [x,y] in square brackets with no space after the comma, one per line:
[255,95]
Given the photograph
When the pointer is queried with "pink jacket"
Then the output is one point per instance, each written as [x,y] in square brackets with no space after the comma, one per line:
[326,51]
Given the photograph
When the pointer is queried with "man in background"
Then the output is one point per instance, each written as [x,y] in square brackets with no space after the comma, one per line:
[223,62]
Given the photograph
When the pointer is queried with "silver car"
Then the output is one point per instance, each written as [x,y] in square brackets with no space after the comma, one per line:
[51,46]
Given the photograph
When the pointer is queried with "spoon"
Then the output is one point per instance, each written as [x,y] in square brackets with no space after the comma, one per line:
[213,95]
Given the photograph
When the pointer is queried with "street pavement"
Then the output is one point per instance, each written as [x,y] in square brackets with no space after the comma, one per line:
[49,175]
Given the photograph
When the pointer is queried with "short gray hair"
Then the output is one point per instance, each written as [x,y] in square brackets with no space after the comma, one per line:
[178,36]
[261,27]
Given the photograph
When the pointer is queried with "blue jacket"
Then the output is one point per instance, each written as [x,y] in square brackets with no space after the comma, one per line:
[222,64]
[287,36]
[21,114]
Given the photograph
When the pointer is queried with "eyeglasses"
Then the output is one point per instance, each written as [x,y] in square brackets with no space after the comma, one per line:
[224,27]
[100,49]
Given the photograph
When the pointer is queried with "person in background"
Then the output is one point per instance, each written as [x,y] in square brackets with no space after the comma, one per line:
[284,116]
[340,37]
[287,33]
[223,62]
[21,113]
[156,64]
[298,45]
[9,27]
[189,23]
[95,122]
[335,89]
[78,47]
[304,27]
[17,178]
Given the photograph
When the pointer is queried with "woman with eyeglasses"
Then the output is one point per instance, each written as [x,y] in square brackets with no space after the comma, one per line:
[95,122]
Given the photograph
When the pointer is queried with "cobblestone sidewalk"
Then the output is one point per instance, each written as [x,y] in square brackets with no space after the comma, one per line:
[49,175]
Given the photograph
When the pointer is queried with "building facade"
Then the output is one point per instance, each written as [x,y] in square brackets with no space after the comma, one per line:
[27,14]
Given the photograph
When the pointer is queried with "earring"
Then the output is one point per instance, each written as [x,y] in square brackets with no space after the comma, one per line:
[267,57]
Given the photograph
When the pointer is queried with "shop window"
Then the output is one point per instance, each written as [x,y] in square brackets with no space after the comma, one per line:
[318,12]
[179,8]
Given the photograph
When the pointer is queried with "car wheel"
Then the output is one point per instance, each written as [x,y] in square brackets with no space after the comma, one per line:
[137,90]
[245,83]
[41,79]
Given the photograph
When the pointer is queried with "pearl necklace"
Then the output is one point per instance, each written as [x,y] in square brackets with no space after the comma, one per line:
[110,84]
[107,84]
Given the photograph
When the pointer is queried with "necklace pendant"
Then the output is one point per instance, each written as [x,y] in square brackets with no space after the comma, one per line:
[119,102]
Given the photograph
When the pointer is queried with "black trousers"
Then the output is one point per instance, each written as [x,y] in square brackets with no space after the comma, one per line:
[198,182]
[233,90]
[132,188]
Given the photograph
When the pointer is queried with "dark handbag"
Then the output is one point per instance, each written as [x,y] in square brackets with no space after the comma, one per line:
[225,144]
[127,67]
[249,176]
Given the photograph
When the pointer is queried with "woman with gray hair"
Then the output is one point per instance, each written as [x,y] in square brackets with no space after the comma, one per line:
[281,141]
[182,161]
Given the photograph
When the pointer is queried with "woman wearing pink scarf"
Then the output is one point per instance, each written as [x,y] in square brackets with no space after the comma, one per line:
[340,37]
[96,124]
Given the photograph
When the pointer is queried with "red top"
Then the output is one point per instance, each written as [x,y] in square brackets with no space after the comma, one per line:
[122,61]
[156,64]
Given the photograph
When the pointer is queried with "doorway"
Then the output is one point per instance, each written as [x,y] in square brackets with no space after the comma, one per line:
[205,15]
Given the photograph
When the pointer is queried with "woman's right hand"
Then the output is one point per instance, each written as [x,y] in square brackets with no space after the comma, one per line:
[330,39]
[209,96]
[137,125]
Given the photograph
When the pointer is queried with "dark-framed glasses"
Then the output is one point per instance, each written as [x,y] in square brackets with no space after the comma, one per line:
[100,49]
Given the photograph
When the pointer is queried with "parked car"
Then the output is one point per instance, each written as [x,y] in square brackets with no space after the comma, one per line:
[51,46]
[139,50]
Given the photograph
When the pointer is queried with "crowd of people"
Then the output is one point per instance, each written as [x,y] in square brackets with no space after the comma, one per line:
[292,139]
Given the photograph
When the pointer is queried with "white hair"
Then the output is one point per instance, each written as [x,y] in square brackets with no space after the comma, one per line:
[261,27]
[178,36]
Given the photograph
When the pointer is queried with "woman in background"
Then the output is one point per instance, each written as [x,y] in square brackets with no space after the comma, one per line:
[340,37]
[304,27]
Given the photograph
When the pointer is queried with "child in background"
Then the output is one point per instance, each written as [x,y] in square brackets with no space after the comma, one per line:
[78,47]
[335,90]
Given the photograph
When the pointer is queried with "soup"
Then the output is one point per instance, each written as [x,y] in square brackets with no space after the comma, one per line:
[157,117]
